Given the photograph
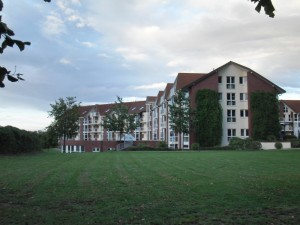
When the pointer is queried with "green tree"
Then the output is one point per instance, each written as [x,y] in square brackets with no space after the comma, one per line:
[179,111]
[119,119]
[208,118]
[265,115]
[66,118]
[6,34]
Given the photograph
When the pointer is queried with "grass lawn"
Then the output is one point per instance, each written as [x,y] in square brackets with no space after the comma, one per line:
[227,187]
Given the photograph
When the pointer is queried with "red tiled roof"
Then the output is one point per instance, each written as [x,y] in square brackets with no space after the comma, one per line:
[293,104]
[160,93]
[184,79]
[167,89]
[151,99]
[133,107]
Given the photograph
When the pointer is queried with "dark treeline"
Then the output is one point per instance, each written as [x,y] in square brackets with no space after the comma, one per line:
[14,140]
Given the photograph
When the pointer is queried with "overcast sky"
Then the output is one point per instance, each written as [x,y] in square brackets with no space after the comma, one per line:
[98,49]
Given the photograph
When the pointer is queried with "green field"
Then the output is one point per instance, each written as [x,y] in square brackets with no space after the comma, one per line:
[209,187]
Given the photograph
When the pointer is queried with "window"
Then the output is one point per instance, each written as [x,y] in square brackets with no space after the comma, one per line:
[230,134]
[244,113]
[244,132]
[230,82]
[243,80]
[290,119]
[243,96]
[231,115]
[230,98]
[295,117]
[219,79]
[285,109]
[220,96]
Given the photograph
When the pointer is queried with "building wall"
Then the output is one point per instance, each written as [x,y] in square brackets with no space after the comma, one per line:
[290,121]
[209,83]
[234,124]
[256,84]
[88,146]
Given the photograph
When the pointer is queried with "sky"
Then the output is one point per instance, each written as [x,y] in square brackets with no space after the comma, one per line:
[96,50]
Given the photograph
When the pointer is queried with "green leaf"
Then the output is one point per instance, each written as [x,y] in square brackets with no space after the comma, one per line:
[20,44]
[11,78]
[9,42]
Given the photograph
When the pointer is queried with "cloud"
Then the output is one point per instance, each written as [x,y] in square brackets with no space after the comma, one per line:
[65,61]
[88,44]
[156,86]
[133,99]
[133,48]
[54,25]
[131,54]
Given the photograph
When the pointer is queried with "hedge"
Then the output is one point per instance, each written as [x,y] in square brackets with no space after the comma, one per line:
[14,140]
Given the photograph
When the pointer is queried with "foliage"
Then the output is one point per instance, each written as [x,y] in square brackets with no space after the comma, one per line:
[271,138]
[6,33]
[48,139]
[162,145]
[208,118]
[119,119]
[244,144]
[295,143]
[267,5]
[195,146]
[180,112]
[278,145]
[265,119]
[14,140]
[66,116]
[289,137]
[140,148]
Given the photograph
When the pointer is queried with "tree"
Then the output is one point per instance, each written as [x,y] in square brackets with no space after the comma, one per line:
[265,115]
[66,118]
[6,33]
[180,114]
[208,118]
[119,120]
[267,5]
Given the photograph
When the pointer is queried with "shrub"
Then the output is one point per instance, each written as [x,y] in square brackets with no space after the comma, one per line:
[162,145]
[195,146]
[250,144]
[244,144]
[237,143]
[278,145]
[14,140]
[271,138]
[295,143]
[289,137]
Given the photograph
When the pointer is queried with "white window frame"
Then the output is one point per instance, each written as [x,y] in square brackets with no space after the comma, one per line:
[230,134]
[244,132]
[231,99]
[243,96]
[231,115]
[244,113]
[230,82]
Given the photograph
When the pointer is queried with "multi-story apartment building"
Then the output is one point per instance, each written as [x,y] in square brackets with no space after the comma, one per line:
[234,82]
[290,117]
